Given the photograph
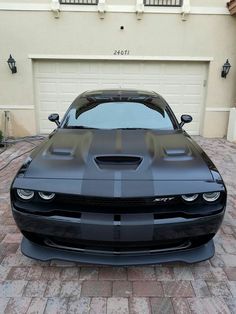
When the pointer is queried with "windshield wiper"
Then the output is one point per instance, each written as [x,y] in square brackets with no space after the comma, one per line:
[85,127]
[77,127]
[132,129]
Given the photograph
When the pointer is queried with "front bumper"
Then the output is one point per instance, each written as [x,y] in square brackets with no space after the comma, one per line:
[133,239]
[44,253]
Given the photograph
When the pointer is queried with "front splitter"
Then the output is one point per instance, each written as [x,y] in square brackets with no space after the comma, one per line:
[44,253]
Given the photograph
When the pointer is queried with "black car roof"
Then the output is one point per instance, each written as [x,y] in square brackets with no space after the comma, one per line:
[110,95]
[120,92]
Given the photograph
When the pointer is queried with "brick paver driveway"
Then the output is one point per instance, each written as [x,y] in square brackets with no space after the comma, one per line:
[28,286]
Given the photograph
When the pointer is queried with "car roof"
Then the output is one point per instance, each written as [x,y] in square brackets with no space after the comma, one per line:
[119,92]
[116,95]
[90,99]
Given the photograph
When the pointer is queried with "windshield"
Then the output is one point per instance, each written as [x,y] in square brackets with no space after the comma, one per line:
[118,115]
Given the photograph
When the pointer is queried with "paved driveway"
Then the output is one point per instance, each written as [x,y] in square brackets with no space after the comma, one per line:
[28,286]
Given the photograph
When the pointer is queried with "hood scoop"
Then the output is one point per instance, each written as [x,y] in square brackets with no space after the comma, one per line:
[61,153]
[177,154]
[118,162]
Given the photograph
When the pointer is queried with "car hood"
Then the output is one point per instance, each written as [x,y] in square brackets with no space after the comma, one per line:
[137,155]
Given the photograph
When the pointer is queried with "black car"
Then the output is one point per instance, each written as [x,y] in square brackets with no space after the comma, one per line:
[119,182]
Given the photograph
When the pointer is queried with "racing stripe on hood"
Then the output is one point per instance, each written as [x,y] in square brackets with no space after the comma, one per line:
[134,143]
[101,142]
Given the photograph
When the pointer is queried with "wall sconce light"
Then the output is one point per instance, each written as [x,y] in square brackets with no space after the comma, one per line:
[225,69]
[12,64]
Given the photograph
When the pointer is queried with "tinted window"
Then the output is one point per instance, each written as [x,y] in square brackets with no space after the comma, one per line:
[115,115]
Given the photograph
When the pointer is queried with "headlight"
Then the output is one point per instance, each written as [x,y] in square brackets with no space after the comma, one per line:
[25,194]
[190,197]
[47,196]
[211,197]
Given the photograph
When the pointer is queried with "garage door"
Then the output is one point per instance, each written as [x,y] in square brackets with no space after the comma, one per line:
[58,83]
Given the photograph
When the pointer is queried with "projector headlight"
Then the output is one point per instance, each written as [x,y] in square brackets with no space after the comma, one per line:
[25,195]
[211,197]
[190,197]
[46,196]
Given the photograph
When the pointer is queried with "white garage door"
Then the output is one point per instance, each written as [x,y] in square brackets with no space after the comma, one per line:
[58,83]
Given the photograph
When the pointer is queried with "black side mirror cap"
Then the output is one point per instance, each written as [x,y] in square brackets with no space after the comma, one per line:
[54,117]
[185,118]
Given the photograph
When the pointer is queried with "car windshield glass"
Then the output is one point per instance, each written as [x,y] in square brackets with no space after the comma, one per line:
[118,115]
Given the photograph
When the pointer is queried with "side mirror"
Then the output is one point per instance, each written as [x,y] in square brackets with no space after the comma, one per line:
[185,118]
[54,117]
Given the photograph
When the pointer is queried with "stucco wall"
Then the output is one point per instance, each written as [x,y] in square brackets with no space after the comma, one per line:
[84,33]
[25,1]
[193,2]
[207,3]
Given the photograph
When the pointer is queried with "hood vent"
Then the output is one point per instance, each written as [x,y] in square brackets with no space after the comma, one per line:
[177,154]
[59,153]
[118,162]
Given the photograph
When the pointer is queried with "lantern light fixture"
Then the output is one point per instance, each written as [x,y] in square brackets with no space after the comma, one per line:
[225,69]
[12,64]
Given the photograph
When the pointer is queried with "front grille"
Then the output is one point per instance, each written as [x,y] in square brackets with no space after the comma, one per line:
[116,202]
[116,248]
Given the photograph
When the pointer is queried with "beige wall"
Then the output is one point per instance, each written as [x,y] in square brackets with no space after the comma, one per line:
[124,2]
[84,33]
[26,1]
[211,3]
[21,122]
[193,2]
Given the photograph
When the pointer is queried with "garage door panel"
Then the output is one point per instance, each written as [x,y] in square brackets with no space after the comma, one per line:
[151,83]
[68,98]
[69,67]
[89,86]
[152,68]
[47,87]
[191,108]
[68,86]
[172,99]
[176,108]
[172,89]
[107,85]
[172,79]
[46,67]
[192,89]
[87,81]
[50,97]
[49,105]
[193,79]
[152,88]
[90,67]
[132,86]
[108,68]
[58,83]
[131,68]
[191,99]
